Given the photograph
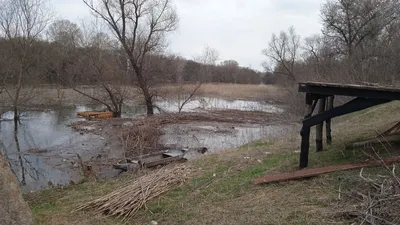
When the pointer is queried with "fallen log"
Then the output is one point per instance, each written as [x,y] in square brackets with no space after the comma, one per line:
[306,173]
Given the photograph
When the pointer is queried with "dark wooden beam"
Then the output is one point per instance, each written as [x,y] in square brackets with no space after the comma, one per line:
[354,105]
[305,133]
[329,106]
[320,127]
[350,90]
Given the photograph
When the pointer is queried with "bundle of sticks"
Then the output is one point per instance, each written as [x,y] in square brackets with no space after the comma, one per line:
[125,202]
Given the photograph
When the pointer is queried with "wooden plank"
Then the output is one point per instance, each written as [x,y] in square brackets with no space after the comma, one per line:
[305,173]
[350,90]
[393,130]
[351,86]
[100,115]
[391,139]
[320,127]
[161,161]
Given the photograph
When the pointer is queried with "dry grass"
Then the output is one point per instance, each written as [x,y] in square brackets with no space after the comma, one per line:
[51,95]
[230,91]
[125,202]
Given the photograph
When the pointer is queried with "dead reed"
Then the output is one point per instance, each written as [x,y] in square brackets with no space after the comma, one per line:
[141,138]
[125,202]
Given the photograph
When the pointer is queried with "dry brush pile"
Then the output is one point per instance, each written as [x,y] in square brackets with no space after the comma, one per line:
[125,202]
[372,199]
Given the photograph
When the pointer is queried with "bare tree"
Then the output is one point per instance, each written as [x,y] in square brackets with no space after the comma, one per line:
[140,26]
[98,62]
[230,70]
[65,33]
[352,22]
[187,93]
[21,24]
[356,29]
[208,57]
[283,50]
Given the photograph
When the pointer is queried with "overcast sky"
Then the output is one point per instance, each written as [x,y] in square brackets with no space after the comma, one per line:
[238,29]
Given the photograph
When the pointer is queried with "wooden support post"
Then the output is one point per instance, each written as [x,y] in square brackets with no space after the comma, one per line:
[305,145]
[329,106]
[320,127]
[305,132]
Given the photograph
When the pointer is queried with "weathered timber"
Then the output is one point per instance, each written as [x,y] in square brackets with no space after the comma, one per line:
[330,89]
[306,173]
[392,139]
[98,115]
[320,127]
[329,106]
[393,130]
[366,96]
[305,134]
[354,105]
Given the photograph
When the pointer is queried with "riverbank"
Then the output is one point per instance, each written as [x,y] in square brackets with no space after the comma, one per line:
[221,192]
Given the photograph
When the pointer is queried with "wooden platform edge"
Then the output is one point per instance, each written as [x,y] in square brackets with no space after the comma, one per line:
[306,173]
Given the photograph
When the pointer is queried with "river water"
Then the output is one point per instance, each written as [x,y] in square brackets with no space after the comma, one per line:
[42,146]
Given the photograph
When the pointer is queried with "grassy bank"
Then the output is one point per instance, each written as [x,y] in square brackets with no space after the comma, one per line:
[221,191]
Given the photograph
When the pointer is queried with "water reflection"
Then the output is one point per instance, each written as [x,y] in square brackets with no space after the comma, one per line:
[23,142]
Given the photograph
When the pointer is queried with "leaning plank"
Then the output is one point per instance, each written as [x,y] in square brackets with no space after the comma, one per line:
[393,130]
[392,139]
[305,173]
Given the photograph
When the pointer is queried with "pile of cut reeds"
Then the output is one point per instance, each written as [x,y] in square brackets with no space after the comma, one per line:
[125,202]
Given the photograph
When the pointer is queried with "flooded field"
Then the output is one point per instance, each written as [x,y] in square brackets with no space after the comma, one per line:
[42,147]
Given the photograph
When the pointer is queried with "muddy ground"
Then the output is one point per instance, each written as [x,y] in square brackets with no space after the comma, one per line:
[216,130]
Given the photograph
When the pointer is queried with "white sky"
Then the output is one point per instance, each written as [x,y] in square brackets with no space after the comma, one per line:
[238,29]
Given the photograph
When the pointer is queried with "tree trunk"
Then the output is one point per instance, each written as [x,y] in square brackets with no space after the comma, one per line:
[13,209]
[149,102]
[117,114]
[16,116]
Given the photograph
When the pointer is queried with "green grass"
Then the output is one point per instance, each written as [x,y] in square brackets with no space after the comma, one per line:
[222,193]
